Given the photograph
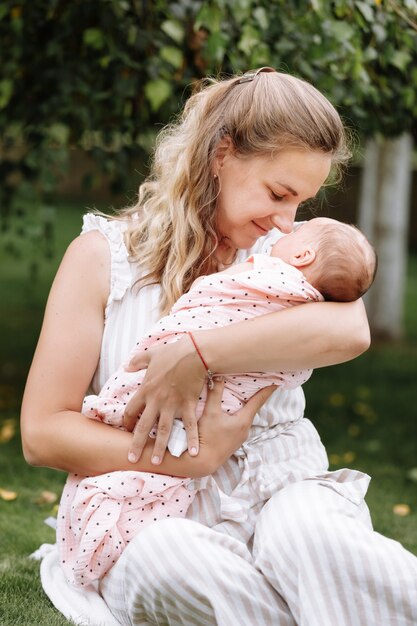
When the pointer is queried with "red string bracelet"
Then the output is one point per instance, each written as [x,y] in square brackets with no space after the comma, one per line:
[210,374]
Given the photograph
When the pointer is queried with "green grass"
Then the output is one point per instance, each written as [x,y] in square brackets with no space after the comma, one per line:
[22,600]
[364,410]
[22,529]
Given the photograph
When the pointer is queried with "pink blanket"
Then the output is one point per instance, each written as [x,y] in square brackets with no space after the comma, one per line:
[99,515]
[217,300]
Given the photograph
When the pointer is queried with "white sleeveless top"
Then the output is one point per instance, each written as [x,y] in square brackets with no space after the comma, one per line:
[282,446]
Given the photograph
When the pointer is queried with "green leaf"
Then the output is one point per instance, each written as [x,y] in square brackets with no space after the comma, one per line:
[379,32]
[242,10]
[341,31]
[174,29]
[59,133]
[370,54]
[249,40]
[157,92]
[172,55]
[216,47]
[104,61]
[317,5]
[210,17]
[400,59]
[409,96]
[94,38]
[132,35]
[261,17]
[6,92]
[260,55]
[366,10]
[412,474]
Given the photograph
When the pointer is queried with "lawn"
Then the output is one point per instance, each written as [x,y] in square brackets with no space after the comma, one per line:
[364,410]
[22,528]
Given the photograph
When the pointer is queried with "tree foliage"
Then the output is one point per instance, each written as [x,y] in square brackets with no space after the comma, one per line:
[102,75]
[362,54]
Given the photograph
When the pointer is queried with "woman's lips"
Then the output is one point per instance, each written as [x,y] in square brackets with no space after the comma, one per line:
[263,231]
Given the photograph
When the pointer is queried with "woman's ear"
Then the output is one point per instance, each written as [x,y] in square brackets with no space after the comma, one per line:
[224,148]
[303,257]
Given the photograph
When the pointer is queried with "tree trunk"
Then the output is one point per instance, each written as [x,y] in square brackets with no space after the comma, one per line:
[384,208]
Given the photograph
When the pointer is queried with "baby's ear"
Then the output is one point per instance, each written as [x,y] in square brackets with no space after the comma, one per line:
[303,257]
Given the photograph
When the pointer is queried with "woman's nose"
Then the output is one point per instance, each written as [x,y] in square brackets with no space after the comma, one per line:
[284,219]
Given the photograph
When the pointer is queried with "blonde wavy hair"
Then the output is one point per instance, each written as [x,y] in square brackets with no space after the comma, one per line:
[172,227]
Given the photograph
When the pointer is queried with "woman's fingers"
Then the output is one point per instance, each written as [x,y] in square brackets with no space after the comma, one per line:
[164,430]
[191,429]
[139,361]
[133,410]
[162,435]
[141,432]
[170,388]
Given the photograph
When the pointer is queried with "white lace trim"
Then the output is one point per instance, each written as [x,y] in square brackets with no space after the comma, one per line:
[120,272]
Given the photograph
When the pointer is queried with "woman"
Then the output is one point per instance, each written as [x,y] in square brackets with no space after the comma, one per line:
[272,537]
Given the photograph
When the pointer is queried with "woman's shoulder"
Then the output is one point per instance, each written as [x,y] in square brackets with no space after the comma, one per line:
[83,273]
[111,232]
[90,250]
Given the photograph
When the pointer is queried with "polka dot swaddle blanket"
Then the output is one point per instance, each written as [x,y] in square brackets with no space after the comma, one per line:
[99,515]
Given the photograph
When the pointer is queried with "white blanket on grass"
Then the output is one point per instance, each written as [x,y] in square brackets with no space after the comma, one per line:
[84,607]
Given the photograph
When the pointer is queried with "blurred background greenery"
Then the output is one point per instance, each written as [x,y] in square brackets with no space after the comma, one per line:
[85,85]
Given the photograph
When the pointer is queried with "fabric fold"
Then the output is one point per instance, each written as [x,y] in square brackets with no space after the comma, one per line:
[99,515]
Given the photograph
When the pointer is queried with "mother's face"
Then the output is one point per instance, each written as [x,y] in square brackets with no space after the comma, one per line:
[260,193]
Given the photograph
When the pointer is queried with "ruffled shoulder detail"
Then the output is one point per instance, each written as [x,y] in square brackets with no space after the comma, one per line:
[120,272]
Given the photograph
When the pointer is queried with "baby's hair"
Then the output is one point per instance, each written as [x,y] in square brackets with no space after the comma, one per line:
[347,262]
[172,232]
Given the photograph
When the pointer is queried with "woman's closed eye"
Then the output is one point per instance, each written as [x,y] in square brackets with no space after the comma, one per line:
[276,196]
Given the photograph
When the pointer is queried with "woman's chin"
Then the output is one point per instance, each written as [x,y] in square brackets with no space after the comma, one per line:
[240,241]
[246,242]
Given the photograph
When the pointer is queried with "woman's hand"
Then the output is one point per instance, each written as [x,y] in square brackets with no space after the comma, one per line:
[171,388]
[221,434]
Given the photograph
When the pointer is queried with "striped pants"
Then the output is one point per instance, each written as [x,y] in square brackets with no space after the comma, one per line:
[315,561]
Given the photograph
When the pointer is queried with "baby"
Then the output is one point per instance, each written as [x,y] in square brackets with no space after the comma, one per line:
[334,257]
[322,259]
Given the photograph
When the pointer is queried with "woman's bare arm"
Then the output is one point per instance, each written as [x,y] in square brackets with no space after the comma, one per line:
[78,444]
[303,337]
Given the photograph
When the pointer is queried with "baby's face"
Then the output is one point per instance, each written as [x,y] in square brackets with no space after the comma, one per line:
[302,237]
[285,246]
